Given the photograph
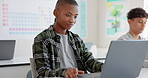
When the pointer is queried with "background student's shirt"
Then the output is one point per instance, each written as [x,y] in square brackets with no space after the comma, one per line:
[128,36]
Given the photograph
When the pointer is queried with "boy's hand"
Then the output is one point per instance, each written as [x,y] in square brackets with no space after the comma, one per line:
[72,73]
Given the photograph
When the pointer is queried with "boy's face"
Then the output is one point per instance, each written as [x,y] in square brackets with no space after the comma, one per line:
[66,16]
[137,25]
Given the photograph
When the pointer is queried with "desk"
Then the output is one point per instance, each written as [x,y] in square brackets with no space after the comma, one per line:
[143,74]
[15,68]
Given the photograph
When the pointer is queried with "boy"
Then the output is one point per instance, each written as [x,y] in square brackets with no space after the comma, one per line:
[137,19]
[59,52]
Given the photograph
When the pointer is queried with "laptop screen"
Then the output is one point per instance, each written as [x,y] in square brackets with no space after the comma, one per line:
[88,45]
[7,48]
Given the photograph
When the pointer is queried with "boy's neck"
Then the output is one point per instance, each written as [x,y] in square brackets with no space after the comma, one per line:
[135,36]
[59,30]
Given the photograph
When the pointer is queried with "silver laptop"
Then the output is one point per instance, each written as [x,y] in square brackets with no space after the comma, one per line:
[124,60]
[88,45]
[7,48]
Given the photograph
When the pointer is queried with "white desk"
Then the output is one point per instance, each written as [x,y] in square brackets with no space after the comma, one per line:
[143,73]
[15,68]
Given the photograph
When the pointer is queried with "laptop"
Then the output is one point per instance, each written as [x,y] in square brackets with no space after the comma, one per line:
[124,60]
[7,48]
[88,45]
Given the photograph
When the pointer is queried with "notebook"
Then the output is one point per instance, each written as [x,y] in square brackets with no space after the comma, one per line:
[7,48]
[124,60]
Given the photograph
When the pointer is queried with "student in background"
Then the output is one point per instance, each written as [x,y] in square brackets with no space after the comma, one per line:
[137,18]
[60,52]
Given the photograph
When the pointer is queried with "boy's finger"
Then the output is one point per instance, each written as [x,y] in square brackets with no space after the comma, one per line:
[80,72]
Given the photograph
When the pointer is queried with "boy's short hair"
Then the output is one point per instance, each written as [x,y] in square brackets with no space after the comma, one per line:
[62,2]
[137,13]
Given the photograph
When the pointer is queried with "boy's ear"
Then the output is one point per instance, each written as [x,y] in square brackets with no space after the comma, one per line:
[55,12]
[129,21]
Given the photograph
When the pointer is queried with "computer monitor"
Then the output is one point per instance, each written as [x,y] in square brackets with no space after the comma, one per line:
[7,48]
[88,45]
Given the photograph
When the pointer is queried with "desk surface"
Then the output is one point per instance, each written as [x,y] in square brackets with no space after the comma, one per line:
[15,61]
[143,74]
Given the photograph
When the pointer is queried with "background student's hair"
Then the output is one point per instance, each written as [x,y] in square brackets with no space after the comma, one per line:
[137,13]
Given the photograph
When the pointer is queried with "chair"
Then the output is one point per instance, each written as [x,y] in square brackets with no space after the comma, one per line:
[29,74]
[32,64]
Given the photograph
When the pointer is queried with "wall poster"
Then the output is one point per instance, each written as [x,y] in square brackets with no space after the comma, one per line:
[24,19]
[116,20]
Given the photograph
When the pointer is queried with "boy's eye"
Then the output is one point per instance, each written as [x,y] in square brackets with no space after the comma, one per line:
[68,15]
[140,21]
[75,16]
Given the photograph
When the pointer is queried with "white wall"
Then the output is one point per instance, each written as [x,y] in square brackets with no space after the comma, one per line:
[92,21]
[96,10]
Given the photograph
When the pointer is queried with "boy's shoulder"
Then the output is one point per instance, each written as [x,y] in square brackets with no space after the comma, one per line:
[47,33]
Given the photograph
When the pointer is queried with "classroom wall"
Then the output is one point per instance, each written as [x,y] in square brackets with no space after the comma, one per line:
[96,10]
